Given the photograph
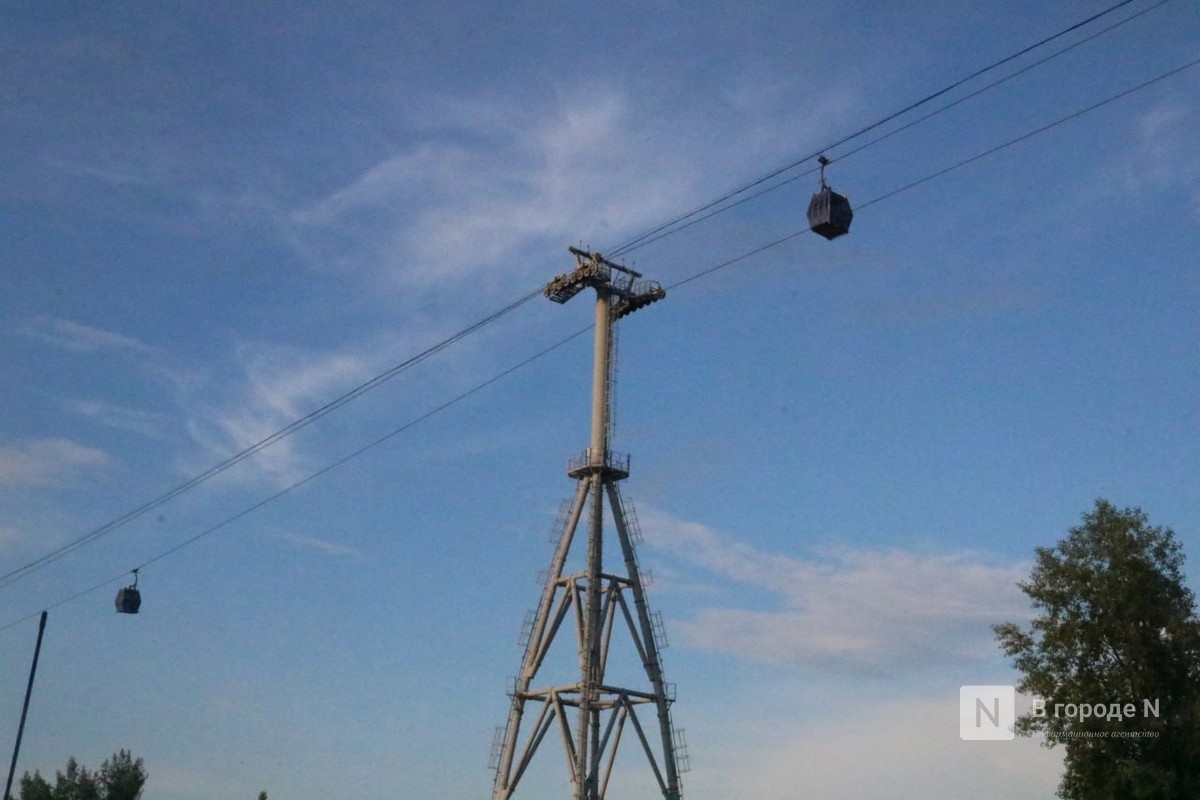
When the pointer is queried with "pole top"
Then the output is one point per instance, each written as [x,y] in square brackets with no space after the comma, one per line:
[593,269]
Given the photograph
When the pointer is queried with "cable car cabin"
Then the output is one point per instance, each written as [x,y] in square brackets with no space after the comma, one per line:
[129,600]
[829,213]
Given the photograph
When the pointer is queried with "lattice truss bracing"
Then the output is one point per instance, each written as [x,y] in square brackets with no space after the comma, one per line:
[590,714]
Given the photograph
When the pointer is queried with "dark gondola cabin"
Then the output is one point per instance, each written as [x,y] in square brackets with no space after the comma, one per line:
[829,213]
[129,599]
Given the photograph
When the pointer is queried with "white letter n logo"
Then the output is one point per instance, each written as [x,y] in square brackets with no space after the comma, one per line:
[987,712]
[993,715]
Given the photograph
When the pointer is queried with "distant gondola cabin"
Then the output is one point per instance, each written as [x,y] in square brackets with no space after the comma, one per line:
[129,600]
[829,213]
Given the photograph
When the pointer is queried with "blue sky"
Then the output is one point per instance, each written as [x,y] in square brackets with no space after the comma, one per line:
[217,217]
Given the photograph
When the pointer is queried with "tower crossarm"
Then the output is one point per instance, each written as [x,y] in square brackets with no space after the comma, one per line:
[625,285]
[639,295]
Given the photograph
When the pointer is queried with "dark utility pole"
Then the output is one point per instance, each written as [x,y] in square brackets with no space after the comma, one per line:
[37,651]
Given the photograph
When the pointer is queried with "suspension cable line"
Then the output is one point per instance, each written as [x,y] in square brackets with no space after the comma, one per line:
[665,231]
[675,225]
[667,228]
[545,351]
[36,564]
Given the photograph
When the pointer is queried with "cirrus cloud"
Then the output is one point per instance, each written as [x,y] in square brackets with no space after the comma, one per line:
[457,206]
[48,462]
[860,610]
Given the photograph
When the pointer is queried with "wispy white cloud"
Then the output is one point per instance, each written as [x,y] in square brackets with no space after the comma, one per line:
[317,543]
[855,609]
[79,338]
[457,207]
[146,423]
[284,384]
[117,177]
[274,387]
[1166,149]
[49,462]
[1161,153]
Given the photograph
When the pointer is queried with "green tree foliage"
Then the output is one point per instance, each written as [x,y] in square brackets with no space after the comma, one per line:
[1114,624]
[35,787]
[122,777]
[119,778]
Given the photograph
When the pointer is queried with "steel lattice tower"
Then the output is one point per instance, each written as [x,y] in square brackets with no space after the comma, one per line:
[596,599]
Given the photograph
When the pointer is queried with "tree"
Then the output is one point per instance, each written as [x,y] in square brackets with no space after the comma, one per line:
[1115,625]
[35,787]
[77,783]
[119,778]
